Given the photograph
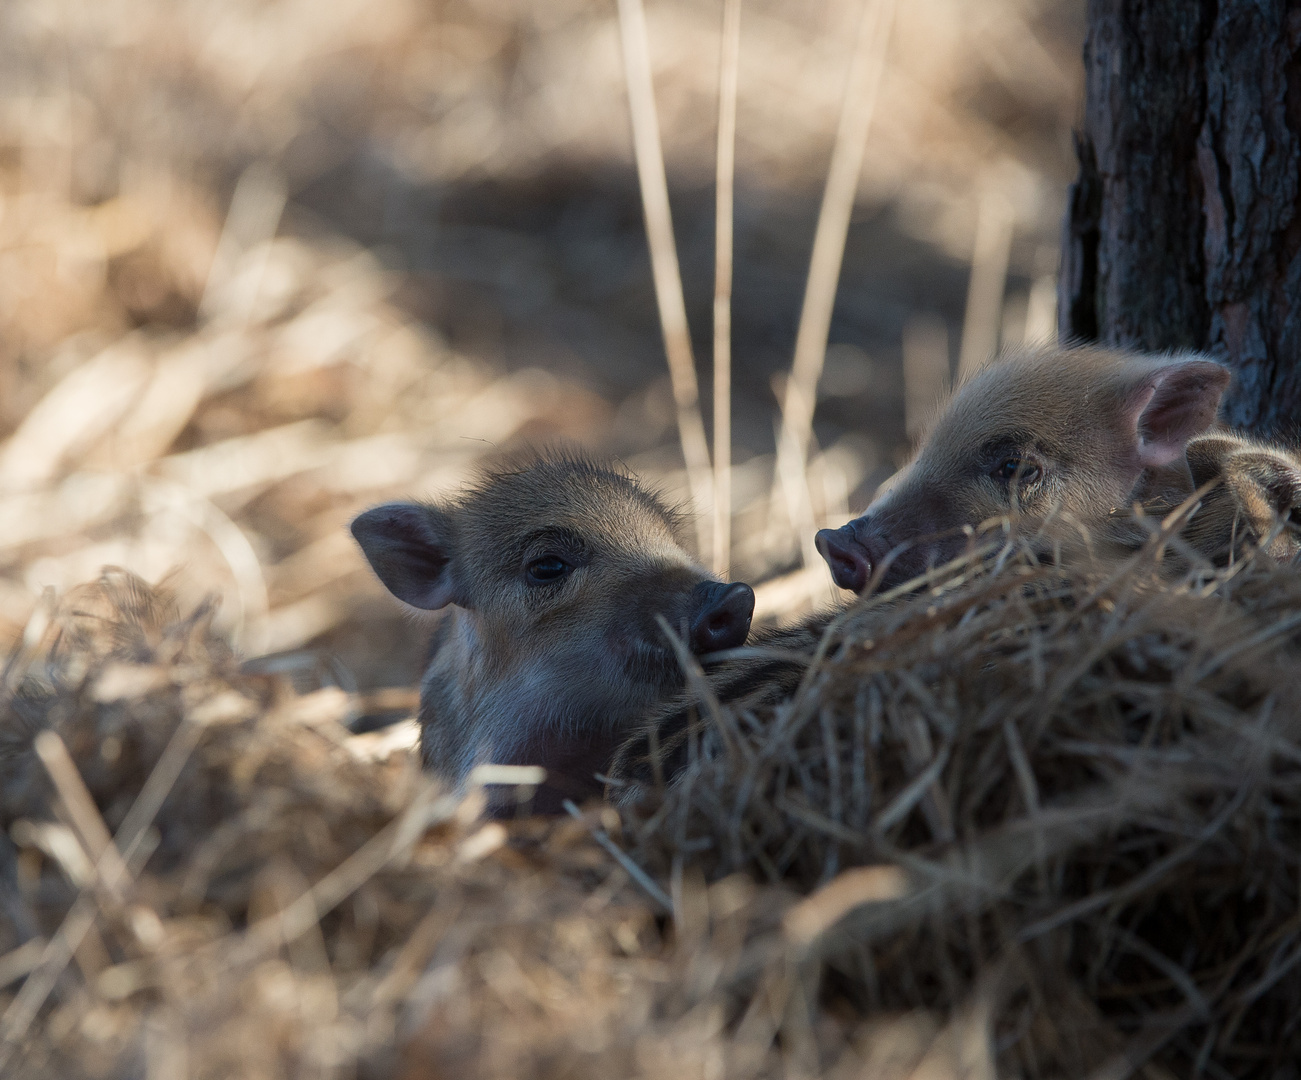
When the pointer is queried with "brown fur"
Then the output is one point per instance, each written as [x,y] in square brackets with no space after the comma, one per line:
[552,672]
[1254,498]
[1080,414]
[1073,432]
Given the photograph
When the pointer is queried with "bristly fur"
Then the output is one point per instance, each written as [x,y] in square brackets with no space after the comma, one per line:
[552,460]
[1250,492]
[541,671]
[1039,432]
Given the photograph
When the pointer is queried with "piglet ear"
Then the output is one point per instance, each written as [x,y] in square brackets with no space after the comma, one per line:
[1173,403]
[1207,454]
[1265,483]
[410,548]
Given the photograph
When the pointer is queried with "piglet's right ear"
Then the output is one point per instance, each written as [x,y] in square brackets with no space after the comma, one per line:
[409,547]
[1266,484]
[1175,402]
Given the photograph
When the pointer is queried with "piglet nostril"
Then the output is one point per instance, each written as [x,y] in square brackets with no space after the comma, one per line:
[723,620]
[849,563]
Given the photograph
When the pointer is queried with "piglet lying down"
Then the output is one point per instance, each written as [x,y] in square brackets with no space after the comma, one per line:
[1071,436]
[555,571]
[1078,433]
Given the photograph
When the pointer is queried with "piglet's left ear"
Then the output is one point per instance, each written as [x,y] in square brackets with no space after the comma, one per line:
[1177,400]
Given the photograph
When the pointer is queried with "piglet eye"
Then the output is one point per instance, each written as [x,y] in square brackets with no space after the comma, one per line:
[1015,468]
[547,570]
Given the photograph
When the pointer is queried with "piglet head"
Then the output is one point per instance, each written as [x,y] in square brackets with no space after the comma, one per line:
[560,574]
[1061,430]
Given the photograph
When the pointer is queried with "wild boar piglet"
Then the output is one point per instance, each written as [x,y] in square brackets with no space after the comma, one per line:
[1252,498]
[1078,431]
[555,571]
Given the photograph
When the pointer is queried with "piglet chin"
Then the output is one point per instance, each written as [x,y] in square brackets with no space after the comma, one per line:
[571,763]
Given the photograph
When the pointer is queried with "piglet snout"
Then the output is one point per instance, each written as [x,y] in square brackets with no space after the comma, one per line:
[722,616]
[851,565]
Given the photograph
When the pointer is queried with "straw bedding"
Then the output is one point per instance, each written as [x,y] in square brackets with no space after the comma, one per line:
[1018,822]
[1086,782]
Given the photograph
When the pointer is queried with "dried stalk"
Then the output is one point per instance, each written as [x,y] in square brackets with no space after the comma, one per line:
[801,393]
[925,372]
[664,260]
[989,258]
[723,224]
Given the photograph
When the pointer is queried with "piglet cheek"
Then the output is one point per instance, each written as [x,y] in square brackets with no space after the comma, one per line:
[632,641]
[621,645]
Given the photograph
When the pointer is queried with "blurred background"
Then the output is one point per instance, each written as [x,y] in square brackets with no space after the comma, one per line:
[266,262]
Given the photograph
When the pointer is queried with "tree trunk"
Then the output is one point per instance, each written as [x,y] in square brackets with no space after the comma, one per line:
[1184,227]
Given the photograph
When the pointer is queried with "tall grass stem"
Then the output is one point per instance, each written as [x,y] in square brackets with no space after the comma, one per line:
[729,62]
[990,254]
[664,262]
[800,397]
[925,372]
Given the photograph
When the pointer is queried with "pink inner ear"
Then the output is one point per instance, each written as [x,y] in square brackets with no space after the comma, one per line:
[1180,401]
[1154,455]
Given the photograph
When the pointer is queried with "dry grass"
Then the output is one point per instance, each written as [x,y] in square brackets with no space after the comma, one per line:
[1020,823]
[1083,786]
[304,903]
[240,449]
[1043,824]
[181,332]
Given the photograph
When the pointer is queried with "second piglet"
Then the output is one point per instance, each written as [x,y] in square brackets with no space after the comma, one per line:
[1250,498]
[555,571]
[1075,431]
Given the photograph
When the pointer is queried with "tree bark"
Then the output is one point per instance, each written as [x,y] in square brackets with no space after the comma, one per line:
[1184,227]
